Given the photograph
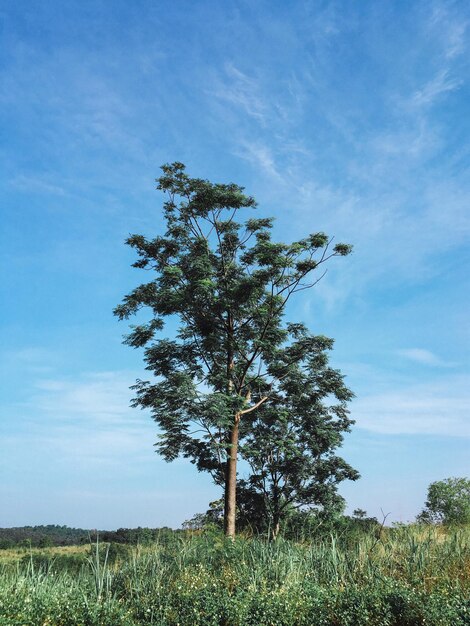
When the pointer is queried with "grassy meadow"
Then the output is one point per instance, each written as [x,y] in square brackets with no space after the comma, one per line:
[403,576]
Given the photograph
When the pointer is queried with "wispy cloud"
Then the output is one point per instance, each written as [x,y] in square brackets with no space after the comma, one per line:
[434,88]
[243,92]
[435,408]
[101,398]
[87,418]
[380,189]
[260,156]
[33,360]
[450,27]
[36,185]
[425,357]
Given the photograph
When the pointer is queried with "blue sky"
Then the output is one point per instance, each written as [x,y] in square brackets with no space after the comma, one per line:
[344,117]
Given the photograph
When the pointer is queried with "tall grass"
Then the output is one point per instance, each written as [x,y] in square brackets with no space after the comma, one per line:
[402,577]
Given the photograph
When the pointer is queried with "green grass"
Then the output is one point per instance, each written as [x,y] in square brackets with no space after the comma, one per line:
[402,577]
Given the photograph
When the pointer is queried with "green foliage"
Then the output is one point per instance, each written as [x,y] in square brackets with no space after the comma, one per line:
[290,448]
[413,576]
[448,502]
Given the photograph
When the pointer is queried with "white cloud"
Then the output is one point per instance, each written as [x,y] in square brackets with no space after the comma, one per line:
[34,360]
[389,198]
[426,357]
[242,92]
[85,421]
[450,29]
[435,408]
[36,184]
[31,355]
[101,398]
[260,155]
[439,84]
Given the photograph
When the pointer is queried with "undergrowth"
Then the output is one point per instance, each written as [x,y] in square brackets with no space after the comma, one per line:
[406,576]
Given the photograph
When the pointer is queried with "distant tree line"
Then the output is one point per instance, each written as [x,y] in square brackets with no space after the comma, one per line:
[54,535]
[42,536]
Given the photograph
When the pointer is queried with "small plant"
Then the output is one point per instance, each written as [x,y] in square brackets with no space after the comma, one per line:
[101,572]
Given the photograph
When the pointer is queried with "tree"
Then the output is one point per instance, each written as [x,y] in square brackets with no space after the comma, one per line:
[448,502]
[291,444]
[227,284]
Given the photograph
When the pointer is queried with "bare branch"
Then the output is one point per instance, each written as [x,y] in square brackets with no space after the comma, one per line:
[254,407]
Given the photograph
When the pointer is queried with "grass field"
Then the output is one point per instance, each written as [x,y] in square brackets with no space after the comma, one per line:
[400,577]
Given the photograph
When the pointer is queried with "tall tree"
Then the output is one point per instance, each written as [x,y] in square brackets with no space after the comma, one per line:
[292,441]
[228,285]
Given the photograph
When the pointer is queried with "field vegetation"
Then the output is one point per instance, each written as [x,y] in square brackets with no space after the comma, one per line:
[402,576]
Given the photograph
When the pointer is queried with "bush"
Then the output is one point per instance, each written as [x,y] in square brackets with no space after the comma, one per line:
[448,502]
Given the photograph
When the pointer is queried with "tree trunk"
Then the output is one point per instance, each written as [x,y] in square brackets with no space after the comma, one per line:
[276,512]
[231,482]
[275,529]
